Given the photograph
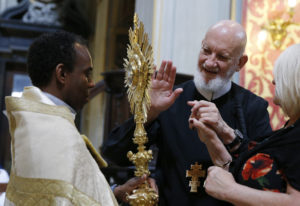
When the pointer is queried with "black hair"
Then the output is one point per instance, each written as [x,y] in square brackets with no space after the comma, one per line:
[49,50]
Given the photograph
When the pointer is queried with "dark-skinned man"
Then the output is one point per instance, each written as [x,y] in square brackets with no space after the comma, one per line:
[52,164]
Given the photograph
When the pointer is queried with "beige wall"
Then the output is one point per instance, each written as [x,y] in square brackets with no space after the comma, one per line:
[93,113]
[178,27]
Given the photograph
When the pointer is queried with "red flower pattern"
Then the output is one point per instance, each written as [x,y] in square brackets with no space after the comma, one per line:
[271,190]
[257,166]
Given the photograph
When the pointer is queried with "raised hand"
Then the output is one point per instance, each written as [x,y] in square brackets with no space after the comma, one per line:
[162,94]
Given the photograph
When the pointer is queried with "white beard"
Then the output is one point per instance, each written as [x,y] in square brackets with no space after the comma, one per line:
[212,86]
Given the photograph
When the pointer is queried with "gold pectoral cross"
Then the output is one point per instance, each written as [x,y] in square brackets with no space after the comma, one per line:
[195,172]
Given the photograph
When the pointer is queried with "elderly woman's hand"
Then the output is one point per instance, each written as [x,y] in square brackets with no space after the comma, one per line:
[219,183]
[216,149]
[208,114]
[205,133]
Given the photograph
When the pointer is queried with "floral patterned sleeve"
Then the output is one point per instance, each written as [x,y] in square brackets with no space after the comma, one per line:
[261,171]
[271,163]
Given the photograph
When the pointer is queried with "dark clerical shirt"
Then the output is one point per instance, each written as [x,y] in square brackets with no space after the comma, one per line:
[179,147]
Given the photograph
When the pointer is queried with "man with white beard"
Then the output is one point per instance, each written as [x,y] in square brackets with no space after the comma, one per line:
[235,110]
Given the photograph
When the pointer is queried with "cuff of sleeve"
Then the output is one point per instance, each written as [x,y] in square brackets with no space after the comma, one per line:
[113,187]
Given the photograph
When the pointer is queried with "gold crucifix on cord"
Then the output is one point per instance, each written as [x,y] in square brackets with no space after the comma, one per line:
[195,172]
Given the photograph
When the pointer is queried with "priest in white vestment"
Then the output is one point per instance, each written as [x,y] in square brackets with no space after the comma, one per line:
[52,163]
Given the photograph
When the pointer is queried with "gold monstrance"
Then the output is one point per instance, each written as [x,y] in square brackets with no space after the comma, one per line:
[139,70]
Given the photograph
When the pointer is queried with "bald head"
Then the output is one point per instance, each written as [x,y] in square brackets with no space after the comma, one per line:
[221,55]
[231,32]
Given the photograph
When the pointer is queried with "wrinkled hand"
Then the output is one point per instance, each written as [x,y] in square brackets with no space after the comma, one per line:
[152,184]
[216,149]
[162,94]
[205,133]
[122,191]
[219,182]
[208,113]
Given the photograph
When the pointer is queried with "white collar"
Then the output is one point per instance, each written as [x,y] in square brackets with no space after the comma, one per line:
[59,102]
[41,96]
[214,95]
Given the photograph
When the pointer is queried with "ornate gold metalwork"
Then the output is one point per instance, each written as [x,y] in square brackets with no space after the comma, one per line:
[278,28]
[139,70]
[195,172]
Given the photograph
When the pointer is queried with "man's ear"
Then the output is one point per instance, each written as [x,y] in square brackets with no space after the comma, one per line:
[60,73]
[242,61]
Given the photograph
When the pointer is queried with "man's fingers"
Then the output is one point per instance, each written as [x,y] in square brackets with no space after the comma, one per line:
[136,181]
[141,179]
[201,104]
[152,184]
[172,75]
[176,94]
[161,70]
[200,108]
[201,114]
[167,71]
[144,177]
[197,123]
[207,110]
[207,119]
[192,103]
